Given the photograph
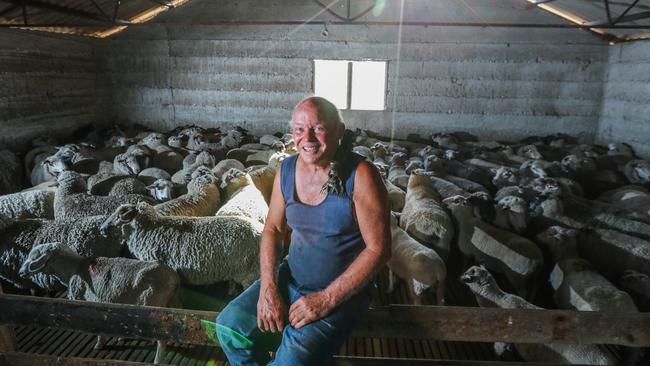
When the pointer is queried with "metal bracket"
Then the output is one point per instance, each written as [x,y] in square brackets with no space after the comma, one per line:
[348,17]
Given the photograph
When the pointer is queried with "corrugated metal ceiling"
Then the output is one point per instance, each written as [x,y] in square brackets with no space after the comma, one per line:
[618,19]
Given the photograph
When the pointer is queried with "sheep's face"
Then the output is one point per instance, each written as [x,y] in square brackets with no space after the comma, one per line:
[619,149]
[546,187]
[413,165]
[456,201]
[443,139]
[122,216]
[398,158]
[379,150]
[476,276]
[514,204]
[640,171]
[427,150]
[432,163]
[578,165]
[529,152]
[533,168]
[634,280]
[154,139]
[451,154]
[190,131]
[162,190]
[504,177]
[201,182]
[557,237]
[67,152]
[177,141]
[233,177]
[39,256]
[382,168]
[54,165]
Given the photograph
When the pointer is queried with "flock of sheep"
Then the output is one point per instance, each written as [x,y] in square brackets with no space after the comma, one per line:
[129,216]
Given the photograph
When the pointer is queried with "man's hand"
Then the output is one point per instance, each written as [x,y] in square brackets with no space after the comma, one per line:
[271,310]
[310,308]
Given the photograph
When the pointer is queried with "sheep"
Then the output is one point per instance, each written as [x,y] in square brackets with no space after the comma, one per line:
[364,151]
[71,201]
[162,190]
[518,258]
[637,284]
[612,252]
[127,186]
[36,204]
[202,250]
[424,218]
[17,238]
[576,284]
[263,178]
[396,196]
[202,199]
[152,174]
[488,294]
[512,214]
[637,171]
[224,165]
[101,279]
[247,201]
[193,162]
[419,266]
[396,172]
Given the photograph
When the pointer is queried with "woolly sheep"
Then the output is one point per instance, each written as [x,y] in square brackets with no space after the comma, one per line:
[424,218]
[36,204]
[225,165]
[71,201]
[247,201]
[202,199]
[488,294]
[111,280]
[577,285]
[518,258]
[419,266]
[17,238]
[202,250]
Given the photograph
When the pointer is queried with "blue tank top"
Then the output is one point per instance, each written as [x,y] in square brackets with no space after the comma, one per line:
[325,237]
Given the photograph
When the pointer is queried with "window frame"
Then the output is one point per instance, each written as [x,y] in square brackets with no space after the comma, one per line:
[350,68]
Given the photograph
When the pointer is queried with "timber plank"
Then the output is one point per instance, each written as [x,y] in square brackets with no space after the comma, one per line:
[396,321]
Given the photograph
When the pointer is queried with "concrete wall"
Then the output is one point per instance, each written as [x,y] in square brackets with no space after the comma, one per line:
[625,115]
[504,83]
[49,85]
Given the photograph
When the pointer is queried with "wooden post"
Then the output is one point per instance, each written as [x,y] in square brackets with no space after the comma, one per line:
[7,336]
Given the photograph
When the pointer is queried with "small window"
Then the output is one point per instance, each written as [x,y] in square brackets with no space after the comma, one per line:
[359,85]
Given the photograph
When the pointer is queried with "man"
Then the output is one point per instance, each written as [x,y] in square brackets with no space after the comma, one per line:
[339,241]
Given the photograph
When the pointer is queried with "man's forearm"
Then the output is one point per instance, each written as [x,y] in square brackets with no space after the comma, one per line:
[269,249]
[356,276]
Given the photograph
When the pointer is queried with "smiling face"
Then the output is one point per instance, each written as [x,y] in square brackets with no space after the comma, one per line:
[316,130]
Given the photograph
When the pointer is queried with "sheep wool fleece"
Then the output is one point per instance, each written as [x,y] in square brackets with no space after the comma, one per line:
[325,240]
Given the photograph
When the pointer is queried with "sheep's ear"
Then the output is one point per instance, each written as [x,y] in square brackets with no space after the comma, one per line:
[37,264]
[142,206]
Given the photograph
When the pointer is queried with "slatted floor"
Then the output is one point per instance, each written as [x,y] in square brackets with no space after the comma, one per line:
[75,344]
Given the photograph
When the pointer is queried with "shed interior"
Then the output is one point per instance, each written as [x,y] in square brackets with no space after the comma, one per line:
[501,70]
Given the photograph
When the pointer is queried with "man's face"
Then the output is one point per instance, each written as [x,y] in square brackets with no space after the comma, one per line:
[315,140]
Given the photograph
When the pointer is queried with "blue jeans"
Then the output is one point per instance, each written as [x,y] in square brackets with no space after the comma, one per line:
[313,344]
